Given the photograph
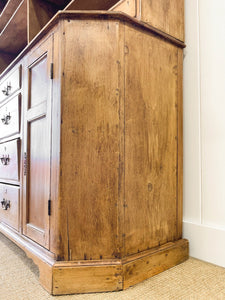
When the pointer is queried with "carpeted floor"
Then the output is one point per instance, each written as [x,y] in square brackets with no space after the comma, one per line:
[193,279]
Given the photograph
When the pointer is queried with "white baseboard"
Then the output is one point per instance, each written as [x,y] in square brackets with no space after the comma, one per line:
[206,243]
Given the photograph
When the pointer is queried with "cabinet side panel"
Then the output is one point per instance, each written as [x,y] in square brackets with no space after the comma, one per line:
[90,139]
[166,15]
[150,141]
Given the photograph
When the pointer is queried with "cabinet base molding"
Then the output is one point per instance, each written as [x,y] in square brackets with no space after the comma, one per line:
[91,276]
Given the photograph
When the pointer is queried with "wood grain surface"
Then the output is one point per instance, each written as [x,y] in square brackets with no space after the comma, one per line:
[150,141]
[167,15]
[90,158]
[126,6]
[102,140]
[154,263]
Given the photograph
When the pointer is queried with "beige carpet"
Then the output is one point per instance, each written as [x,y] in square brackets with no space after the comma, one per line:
[193,279]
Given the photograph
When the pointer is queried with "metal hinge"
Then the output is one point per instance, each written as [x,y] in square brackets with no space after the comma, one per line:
[51,71]
[49,207]
[25,164]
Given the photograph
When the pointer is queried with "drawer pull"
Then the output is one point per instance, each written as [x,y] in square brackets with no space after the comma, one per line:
[5,204]
[6,119]
[7,89]
[5,160]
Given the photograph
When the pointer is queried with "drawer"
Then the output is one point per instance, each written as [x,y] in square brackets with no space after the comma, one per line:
[10,117]
[9,205]
[9,160]
[10,84]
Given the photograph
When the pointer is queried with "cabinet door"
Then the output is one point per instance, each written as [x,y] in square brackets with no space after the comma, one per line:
[37,143]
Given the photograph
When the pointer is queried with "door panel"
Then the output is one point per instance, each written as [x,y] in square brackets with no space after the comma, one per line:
[37,140]
[38,82]
[38,171]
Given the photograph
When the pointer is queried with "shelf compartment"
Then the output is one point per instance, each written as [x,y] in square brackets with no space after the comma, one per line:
[2,5]
[91,4]
[13,37]
[7,12]
[20,22]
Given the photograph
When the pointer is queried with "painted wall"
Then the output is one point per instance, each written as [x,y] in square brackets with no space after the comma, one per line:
[204,129]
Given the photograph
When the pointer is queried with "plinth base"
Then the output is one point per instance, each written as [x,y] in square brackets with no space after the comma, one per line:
[62,277]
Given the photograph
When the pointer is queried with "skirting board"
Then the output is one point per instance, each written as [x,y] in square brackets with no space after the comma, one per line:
[71,277]
[206,243]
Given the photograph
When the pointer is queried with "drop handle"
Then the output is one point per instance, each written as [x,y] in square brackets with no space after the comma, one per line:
[5,204]
[7,89]
[6,119]
[5,160]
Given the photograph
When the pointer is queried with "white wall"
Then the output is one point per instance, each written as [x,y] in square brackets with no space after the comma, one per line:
[204,129]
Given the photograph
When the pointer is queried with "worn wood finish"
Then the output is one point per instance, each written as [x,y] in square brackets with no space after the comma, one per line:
[150,141]
[11,194]
[10,117]
[89,15]
[167,15]
[37,143]
[98,276]
[154,262]
[73,278]
[102,139]
[126,6]
[10,160]
[90,140]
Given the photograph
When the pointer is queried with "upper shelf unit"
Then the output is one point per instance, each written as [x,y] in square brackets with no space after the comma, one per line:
[2,5]
[21,20]
[91,4]
[13,29]
[167,16]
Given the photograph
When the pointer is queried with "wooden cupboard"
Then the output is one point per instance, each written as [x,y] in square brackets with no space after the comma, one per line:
[96,133]
[165,15]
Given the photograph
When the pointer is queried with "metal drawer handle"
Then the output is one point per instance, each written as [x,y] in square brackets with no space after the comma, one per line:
[7,89]
[5,204]
[5,160]
[6,119]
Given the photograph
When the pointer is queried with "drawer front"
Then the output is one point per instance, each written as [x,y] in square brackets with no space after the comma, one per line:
[9,205]
[9,160]
[10,85]
[10,117]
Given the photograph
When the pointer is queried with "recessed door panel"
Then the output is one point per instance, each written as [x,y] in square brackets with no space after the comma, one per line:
[38,82]
[37,141]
